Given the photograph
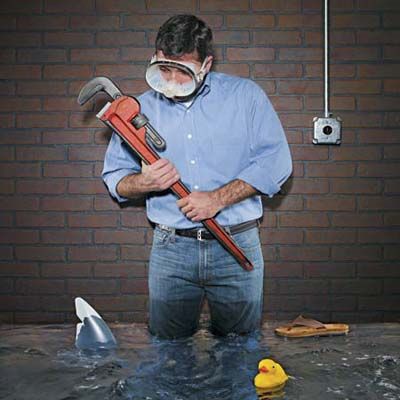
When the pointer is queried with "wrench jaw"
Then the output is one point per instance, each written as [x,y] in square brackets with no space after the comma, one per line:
[96,85]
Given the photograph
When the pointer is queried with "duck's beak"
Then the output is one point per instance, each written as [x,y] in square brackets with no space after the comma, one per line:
[263,369]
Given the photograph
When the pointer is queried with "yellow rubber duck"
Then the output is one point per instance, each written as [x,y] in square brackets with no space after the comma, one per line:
[271,376]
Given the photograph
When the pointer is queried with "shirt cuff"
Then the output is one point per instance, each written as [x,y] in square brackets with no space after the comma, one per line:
[257,177]
[111,180]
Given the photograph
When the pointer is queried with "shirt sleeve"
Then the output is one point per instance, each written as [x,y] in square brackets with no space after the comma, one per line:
[270,163]
[119,161]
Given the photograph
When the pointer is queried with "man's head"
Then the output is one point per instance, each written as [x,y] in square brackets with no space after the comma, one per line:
[183,57]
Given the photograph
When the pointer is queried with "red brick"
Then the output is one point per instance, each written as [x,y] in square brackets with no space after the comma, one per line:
[305,219]
[41,88]
[63,270]
[233,69]
[391,119]
[337,103]
[26,6]
[280,103]
[38,186]
[87,186]
[392,219]
[391,152]
[106,203]
[380,203]
[8,23]
[120,6]
[118,303]
[330,169]
[303,286]
[309,186]
[121,38]
[391,85]
[92,286]
[7,121]
[362,119]
[316,5]
[361,86]
[355,20]
[338,303]
[379,302]
[223,5]
[7,186]
[17,303]
[348,186]
[379,5]
[47,219]
[39,153]
[250,53]
[41,56]
[331,203]
[136,54]
[6,218]
[284,270]
[300,54]
[304,253]
[42,120]
[92,253]
[18,39]
[231,37]
[7,153]
[7,56]
[123,71]
[72,203]
[39,317]
[375,71]
[250,21]
[67,236]
[94,22]
[300,87]
[19,269]
[94,55]
[391,252]
[359,53]
[378,136]
[19,203]
[329,270]
[276,5]
[378,270]
[140,253]
[306,153]
[97,220]
[20,170]
[335,71]
[376,36]
[330,236]
[277,70]
[133,236]
[67,137]
[299,20]
[40,253]
[7,88]
[86,153]
[63,72]
[134,286]
[356,253]
[62,7]
[39,286]
[41,23]
[18,236]
[61,39]
[378,236]
[281,236]
[135,219]
[391,52]
[61,170]
[355,153]
[276,38]
[387,169]
[391,20]
[125,270]
[20,71]
[268,86]
[392,186]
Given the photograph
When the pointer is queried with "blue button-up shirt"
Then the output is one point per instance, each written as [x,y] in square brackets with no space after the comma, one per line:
[230,131]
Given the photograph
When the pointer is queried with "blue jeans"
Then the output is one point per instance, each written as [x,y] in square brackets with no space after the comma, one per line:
[184,271]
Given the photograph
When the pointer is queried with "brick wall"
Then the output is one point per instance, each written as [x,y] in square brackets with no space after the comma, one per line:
[331,239]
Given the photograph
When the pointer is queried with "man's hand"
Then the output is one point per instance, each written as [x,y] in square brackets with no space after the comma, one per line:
[159,176]
[200,205]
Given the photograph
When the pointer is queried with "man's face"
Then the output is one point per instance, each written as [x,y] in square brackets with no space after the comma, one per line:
[178,75]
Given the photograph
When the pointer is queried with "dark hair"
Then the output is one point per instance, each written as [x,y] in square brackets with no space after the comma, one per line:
[182,34]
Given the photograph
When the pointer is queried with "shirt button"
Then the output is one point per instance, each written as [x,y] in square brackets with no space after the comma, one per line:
[195,187]
[189,136]
[192,162]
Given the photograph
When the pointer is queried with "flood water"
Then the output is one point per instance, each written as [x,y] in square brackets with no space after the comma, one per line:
[41,362]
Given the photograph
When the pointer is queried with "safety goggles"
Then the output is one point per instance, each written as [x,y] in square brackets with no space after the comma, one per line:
[174,78]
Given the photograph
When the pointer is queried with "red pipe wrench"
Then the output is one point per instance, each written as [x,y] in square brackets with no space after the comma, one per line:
[123,116]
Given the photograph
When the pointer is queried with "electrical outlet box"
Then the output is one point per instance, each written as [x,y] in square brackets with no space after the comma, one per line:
[327,130]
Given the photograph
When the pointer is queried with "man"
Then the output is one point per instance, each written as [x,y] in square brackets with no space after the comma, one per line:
[225,142]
